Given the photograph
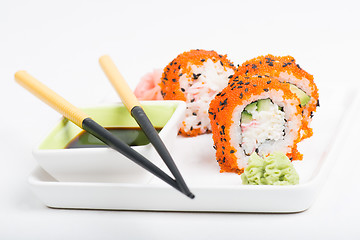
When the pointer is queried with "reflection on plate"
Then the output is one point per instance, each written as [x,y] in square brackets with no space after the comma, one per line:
[214,191]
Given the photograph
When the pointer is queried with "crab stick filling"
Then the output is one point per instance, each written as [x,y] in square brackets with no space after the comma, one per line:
[262,124]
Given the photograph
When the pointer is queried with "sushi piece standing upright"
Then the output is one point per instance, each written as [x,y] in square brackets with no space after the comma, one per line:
[196,77]
[254,114]
[285,69]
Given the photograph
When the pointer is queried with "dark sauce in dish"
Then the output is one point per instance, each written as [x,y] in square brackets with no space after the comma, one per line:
[132,136]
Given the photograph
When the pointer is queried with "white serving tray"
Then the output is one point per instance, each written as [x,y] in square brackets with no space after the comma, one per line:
[214,191]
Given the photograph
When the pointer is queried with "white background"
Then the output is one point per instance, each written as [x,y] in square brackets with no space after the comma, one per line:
[59,42]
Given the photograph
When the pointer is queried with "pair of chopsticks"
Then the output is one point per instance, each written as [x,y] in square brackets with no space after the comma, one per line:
[85,122]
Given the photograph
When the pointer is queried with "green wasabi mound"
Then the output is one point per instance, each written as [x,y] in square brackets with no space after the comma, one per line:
[275,169]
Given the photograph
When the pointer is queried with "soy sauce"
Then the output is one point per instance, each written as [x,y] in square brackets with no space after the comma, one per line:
[132,136]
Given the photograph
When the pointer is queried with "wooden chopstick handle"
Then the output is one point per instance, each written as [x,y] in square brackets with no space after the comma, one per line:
[50,97]
[122,88]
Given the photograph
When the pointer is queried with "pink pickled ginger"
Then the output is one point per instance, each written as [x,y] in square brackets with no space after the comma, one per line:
[148,87]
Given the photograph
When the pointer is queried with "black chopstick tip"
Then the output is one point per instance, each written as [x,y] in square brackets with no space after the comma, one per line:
[190,195]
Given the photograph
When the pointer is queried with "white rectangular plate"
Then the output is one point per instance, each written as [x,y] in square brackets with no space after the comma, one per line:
[214,191]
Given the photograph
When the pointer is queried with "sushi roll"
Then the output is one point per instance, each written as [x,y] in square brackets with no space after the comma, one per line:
[196,77]
[285,69]
[254,114]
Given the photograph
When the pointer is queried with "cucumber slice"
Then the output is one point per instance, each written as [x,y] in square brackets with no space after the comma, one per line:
[251,107]
[246,117]
[304,98]
[264,104]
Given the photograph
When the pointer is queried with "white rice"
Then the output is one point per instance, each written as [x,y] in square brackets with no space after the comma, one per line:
[212,78]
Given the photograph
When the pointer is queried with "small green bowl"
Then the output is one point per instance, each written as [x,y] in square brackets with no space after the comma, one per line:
[105,164]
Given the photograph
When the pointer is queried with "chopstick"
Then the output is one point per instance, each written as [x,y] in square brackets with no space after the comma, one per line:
[132,104]
[84,121]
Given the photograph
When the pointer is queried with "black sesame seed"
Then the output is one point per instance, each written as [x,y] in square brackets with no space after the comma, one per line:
[174,80]
[266,89]
[180,74]
[268,82]
[253,66]
[230,76]
[241,95]
[232,151]
[194,113]
[254,85]
[247,83]
[182,89]
[246,90]
[196,76]
[199,123]
[203,60]
[318,103]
